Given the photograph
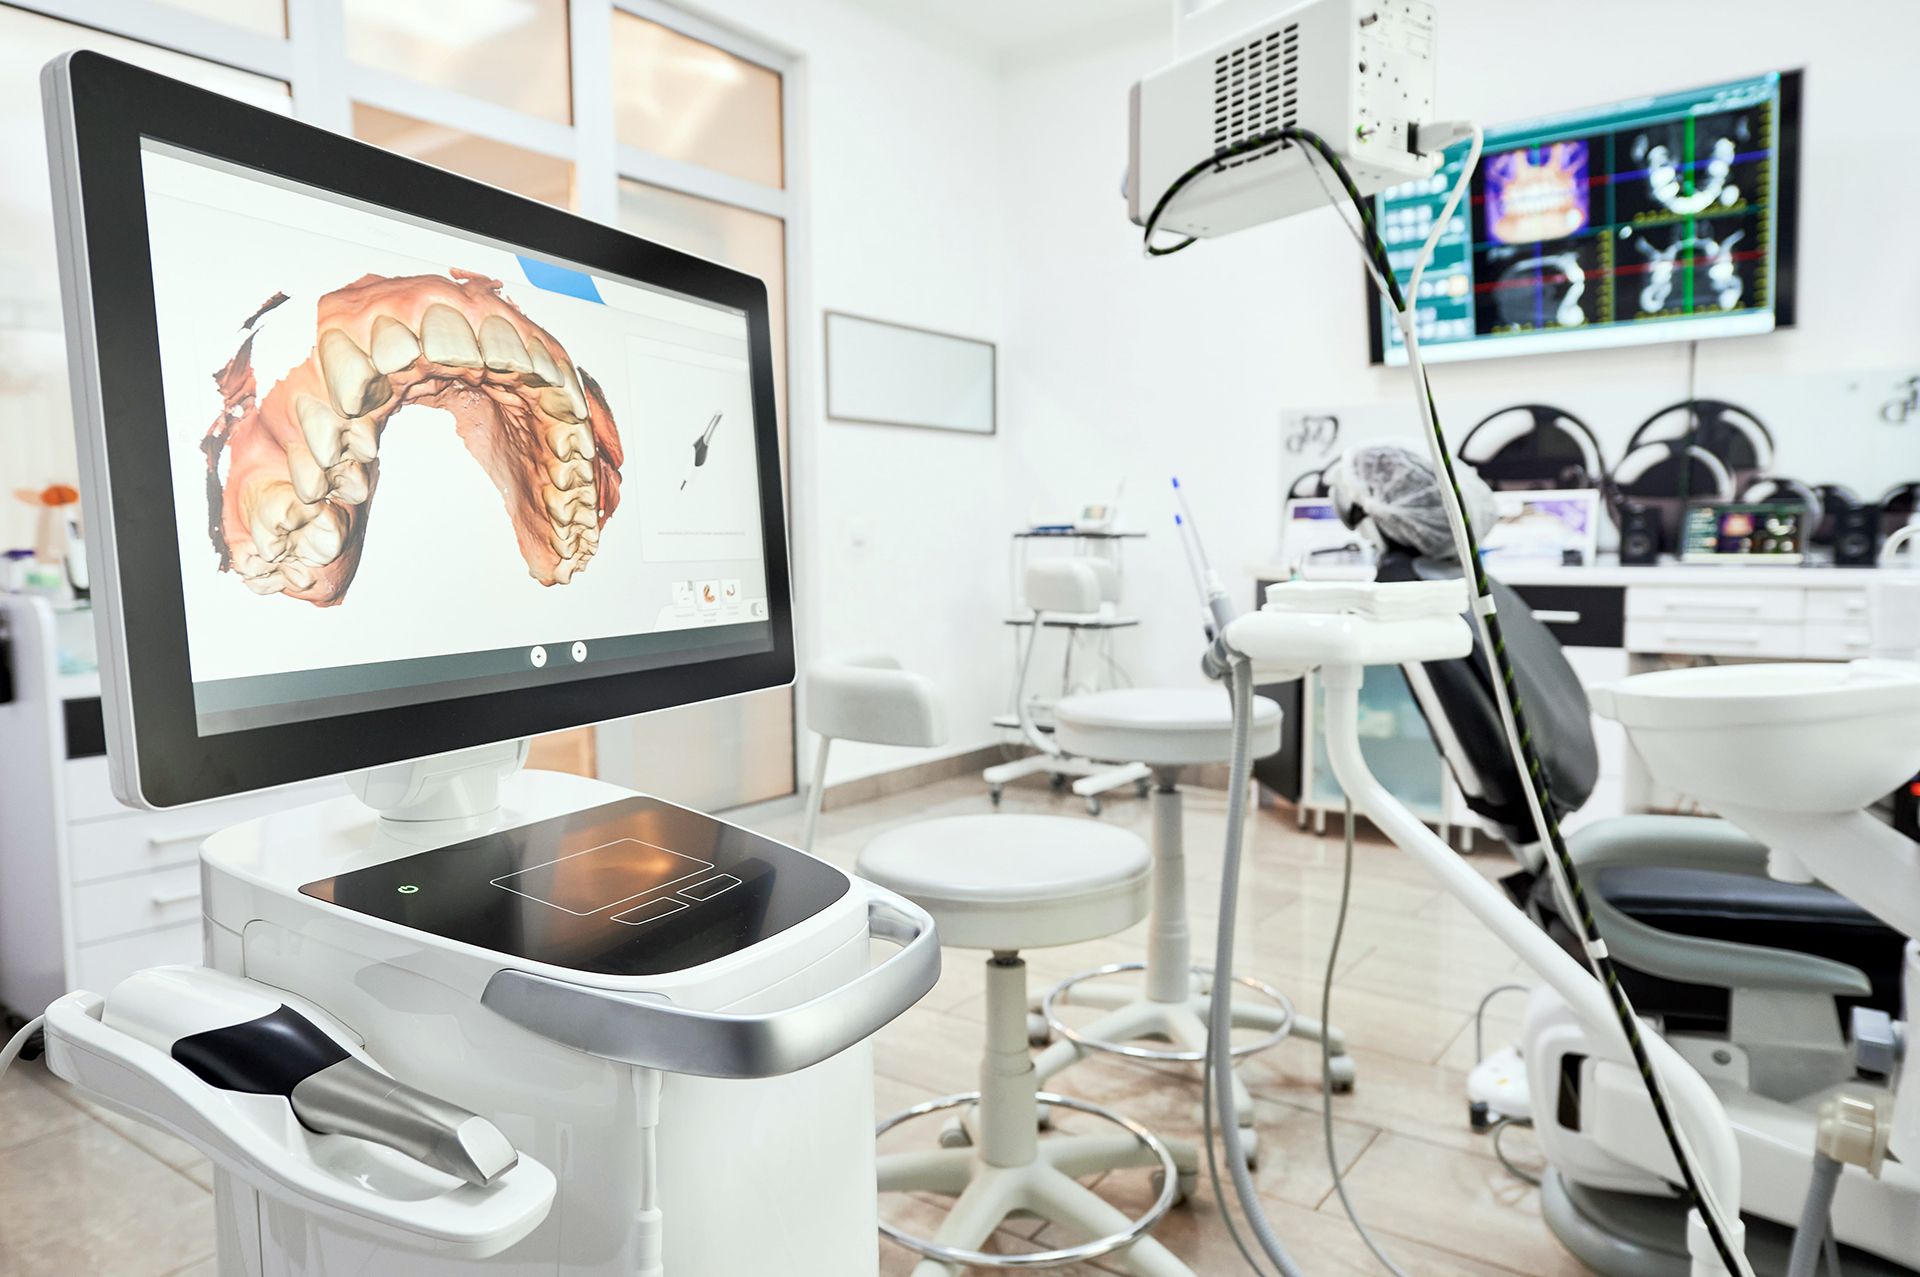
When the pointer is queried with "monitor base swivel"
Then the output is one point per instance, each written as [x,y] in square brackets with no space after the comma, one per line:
[457,786]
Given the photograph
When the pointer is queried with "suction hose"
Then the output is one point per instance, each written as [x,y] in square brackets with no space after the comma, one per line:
[1220,1006]
[1815,1218]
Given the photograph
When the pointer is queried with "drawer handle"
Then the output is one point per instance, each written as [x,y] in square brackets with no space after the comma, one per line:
[1554,616]
[1707,605]
[157,842]
[161,899]
[1725,640]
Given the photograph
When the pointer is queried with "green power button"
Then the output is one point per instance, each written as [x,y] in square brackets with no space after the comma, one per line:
[408,889]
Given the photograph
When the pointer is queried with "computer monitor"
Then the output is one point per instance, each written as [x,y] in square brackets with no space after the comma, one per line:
[380,462]
[1744,533]
[1662,218]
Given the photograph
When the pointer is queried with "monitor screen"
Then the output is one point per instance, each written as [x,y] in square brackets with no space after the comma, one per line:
[1666,218]
[410,463]
[380,462]
[1743,533]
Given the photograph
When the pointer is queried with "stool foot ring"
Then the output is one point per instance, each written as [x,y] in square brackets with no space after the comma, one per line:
[1278,1020]
[1046,1187]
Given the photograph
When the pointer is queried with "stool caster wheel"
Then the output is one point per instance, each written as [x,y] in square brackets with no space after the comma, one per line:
[1057,781]
[1093,805]
[1039,1032]
[993,794]
[1141,788]
[954,1134]
[1044,1120]
[1184,1185]
[1343,1074]
[1250,1146]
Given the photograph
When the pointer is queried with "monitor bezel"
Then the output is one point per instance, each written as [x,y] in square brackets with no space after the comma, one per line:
[1786,257]
[98,112]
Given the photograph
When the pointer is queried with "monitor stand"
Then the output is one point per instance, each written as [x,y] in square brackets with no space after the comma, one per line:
[458,786]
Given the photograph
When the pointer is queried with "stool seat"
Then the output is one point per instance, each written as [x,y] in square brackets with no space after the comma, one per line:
[1010,882]
[1160,726]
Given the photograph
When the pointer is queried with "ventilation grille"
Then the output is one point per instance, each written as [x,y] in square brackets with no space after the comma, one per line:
[1256,88]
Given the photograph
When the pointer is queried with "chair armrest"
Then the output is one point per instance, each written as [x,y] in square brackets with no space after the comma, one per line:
[1691,842]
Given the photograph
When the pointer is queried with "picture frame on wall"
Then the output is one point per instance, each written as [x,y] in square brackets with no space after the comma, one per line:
[886,374]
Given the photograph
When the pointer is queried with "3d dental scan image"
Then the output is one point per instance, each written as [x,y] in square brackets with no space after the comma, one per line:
[291,474]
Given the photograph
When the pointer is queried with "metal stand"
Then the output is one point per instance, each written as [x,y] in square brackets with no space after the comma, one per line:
[1010,1168]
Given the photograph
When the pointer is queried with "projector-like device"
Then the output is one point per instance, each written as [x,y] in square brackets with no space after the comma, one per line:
[1357,72]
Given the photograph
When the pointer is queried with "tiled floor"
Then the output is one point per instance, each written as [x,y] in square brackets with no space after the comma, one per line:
[84,1192]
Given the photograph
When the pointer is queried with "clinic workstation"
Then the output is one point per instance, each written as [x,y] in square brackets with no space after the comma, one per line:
[1187,638]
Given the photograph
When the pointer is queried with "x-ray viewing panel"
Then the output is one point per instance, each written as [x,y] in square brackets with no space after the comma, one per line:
[630,888]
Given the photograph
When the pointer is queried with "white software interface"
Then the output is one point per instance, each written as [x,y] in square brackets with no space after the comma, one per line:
[410,463]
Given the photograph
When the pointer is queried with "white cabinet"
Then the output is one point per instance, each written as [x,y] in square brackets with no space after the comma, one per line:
[90,891]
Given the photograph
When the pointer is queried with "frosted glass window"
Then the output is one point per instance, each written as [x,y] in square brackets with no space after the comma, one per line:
[542,177]
[737,237]
[739,750]
[36,421]
[268,17]
[513,52]
[680,98]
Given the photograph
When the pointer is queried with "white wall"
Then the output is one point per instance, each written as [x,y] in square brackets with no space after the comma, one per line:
[1119,367]
[901,533]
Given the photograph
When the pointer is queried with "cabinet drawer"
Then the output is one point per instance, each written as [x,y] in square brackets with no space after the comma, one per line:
[165,897]
[1838,640]
[1714,638]
[90,789]
[137,842]
[1837,605]
[1579,615]
[1726,603]
[99,967]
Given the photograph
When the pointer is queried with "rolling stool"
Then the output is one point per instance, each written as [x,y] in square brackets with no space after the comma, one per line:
[1004,884]
[1167,729]
[1000,883]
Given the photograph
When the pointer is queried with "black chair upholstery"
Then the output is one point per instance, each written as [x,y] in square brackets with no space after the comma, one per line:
[1550,692]
[1693,902]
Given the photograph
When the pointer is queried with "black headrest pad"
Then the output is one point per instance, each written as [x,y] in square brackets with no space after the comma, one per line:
[1551,697]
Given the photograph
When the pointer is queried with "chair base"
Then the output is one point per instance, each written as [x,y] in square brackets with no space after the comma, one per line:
[1090,779]
[1047,1186]
[1183,1025]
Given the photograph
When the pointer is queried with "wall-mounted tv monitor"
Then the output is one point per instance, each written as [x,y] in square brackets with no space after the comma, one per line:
[1666,218]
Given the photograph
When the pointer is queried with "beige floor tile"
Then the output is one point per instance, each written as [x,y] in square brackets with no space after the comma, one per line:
[1412,1189]
[1322,1244]
[33,1107]
[1454,984]
[84,1200]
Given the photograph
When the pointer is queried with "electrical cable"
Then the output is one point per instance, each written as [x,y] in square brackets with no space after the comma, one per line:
[1326,1060]
[1479,1013]
[17,1043]
[1507,693]
[1520,1173]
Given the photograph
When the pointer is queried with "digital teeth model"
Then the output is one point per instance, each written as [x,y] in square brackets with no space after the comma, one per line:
[289,513]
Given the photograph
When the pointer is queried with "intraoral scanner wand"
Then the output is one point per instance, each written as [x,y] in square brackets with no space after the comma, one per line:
[701,445]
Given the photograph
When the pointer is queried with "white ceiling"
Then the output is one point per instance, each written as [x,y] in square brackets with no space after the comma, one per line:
[1013,28]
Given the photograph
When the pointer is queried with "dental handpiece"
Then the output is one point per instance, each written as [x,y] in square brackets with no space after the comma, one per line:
[236,1035]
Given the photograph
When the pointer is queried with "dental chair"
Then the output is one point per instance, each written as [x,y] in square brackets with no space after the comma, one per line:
[1779,992]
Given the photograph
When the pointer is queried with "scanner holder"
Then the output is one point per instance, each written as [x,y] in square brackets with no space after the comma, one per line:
[359,1186]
